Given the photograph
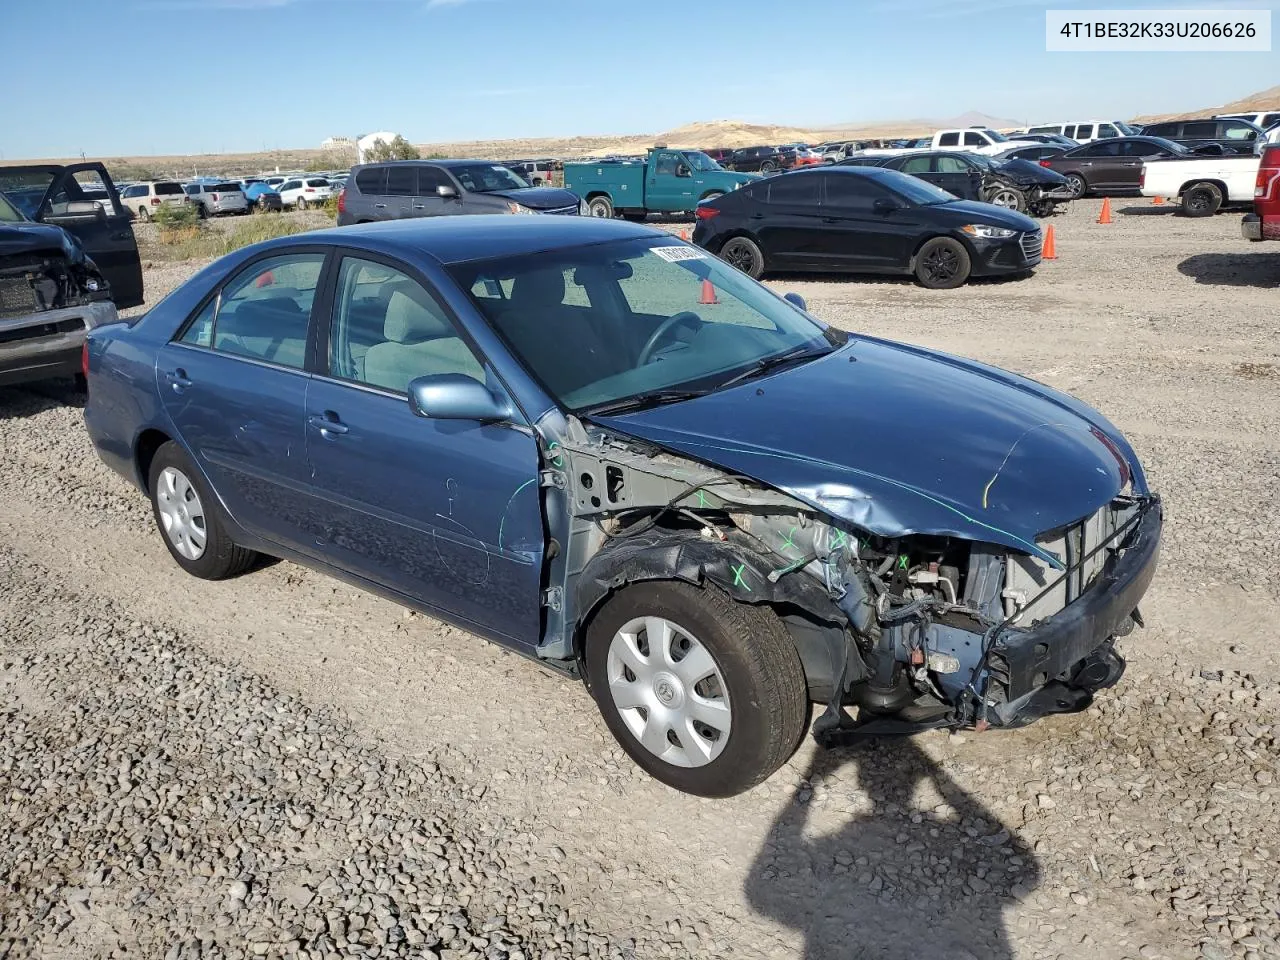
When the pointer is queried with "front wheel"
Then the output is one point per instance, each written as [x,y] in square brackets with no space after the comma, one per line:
[707,695]
[189,519]
[942,264]
[1008,198]
[1201,200]
[600,207]
[768,167]
[744,254]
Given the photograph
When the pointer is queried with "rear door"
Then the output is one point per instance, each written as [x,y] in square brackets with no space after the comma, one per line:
[234,382]
[105,232]
[788,224]
[1107,165]
[1133,154]
[401,191]
[363,202]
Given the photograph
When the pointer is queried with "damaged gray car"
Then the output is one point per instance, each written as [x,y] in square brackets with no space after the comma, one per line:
[613,453]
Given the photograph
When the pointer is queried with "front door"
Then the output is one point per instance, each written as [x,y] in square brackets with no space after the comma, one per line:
[856,236]
[665,188]
[234,384]
[447,512]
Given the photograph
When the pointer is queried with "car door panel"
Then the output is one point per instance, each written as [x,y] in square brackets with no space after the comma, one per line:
[788,226]
[856,237]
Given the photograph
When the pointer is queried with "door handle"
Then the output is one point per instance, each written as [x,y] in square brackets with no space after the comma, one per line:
[830,219]
[379,206]
[419,206]
[757,216]
[329,425]
[178,380]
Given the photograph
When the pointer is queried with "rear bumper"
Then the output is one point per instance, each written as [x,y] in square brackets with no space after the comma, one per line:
[48,344]
[1038,668]
[1251,227]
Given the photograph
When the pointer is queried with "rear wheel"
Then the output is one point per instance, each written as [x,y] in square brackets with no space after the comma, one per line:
[189,519]
[302,203]
[942,264]
[144,214]
[1201,200]
[600,207]
[705,694]
[202,211]
[744,254]
[1076,185]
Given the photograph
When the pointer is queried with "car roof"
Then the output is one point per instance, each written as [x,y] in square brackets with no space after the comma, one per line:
[460,239]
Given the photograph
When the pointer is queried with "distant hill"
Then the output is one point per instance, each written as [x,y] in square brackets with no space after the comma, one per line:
[1268,99]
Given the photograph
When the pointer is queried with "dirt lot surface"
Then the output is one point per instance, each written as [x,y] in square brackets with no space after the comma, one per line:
[284,766]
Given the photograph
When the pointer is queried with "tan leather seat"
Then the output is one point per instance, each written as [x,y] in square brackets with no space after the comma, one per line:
[420,342]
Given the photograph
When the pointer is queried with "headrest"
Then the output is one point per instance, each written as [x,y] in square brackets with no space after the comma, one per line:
[411,320]
[541,288]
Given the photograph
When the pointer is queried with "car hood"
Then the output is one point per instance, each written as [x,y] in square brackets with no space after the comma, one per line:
[975,211]
[900,440]
[18,238]
[538,198]
[1024,171]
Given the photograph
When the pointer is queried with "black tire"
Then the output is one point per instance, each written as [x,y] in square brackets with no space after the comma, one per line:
[768,167]
[744,254]
[202,212]
[635,216]
[222,557]
[301,203]
[144,214]
[763,680]
[1077,185]
[600,207]
[1201,200]
[1007,197]
[942,264]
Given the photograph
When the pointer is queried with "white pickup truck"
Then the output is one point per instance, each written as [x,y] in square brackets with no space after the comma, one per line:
[1202,184]
[968,140]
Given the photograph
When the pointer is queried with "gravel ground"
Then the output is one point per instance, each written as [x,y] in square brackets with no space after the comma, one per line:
[283,766]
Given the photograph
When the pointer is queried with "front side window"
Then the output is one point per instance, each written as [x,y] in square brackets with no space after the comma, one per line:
[600,323]
[973,140]
[1107,130]
[388,330]
[487,178]
[666,164]
[262,312]
[851,193]
[1201,130]
[169,188]
[1238,131]
[950,165]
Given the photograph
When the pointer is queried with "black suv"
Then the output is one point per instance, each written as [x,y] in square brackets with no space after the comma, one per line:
[1234,136]
[756,160]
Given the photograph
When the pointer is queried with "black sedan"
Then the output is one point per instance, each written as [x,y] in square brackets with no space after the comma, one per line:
[1015,184]
[865,220]
[1112,166]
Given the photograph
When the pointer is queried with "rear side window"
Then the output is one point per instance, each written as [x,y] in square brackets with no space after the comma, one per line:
[318,182]
[915,165]
[372,180]
[949,140]
[192,189]
[225,188]
[401,181]
[1051,128]
[801,189]
[1141,148]
[168,189]
[1200,130]
[263,312]
[1100,149]
[290,185]
[1161,130]
[1084,131]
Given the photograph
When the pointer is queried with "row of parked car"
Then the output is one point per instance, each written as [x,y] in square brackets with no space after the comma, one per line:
[215,197]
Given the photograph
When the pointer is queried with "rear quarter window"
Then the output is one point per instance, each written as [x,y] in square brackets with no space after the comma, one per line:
[372,180]
[167,189]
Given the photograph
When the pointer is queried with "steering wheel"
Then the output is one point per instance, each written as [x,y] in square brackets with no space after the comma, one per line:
[665,327]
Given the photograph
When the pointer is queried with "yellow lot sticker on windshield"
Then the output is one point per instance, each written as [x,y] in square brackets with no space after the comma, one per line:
[676,254]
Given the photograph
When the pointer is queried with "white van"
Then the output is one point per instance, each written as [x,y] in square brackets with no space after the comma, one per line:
[1086,131]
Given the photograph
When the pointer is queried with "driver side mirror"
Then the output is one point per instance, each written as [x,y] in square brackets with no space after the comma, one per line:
[453,396]
[796,301]
[682,170]
[884,206]
[447,192]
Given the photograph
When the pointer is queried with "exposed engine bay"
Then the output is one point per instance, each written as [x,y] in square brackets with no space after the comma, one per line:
[915,631]
[46,280]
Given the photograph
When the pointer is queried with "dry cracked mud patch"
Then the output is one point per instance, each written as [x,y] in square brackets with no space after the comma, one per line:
[283,766]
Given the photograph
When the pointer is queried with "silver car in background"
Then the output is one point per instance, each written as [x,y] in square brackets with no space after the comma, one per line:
[212,198]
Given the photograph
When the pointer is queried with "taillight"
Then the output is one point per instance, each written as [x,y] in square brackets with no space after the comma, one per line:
[215,197]
[342,201]
[1142,178]
[1044,163]
[84,359]
[706,213]
[155,201]
[308,190]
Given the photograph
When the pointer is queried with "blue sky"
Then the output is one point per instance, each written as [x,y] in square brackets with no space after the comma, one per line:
[207,76]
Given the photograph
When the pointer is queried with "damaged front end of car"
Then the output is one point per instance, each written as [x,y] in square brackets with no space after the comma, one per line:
[909,627]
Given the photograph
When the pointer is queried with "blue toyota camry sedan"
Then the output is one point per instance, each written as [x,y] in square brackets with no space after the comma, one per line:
[617,455]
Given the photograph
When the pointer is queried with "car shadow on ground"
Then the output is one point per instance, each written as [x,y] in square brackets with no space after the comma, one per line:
[920,871]
[1245,269]
[27,400]
[899,279]
[1160,210]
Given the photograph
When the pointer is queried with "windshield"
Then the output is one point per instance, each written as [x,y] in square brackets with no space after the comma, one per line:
[1124,128]
[487,177]
[996,137]
[981,160]
[700,162]
[1170,145]
[8,212]
[600,323]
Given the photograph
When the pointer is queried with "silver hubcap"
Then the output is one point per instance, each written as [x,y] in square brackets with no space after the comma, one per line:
[181,513]
[1005,199]
[669,692]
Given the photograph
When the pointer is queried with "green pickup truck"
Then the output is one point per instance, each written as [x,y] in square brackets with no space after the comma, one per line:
[666,181]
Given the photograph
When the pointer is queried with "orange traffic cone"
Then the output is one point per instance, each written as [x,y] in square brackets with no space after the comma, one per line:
[1105,216]
[708,293]
[1050,251]
[1157,201]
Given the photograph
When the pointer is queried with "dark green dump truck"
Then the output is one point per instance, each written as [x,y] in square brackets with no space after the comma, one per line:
[665,181]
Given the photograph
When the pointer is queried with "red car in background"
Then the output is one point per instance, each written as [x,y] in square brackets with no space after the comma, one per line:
[1264,222]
